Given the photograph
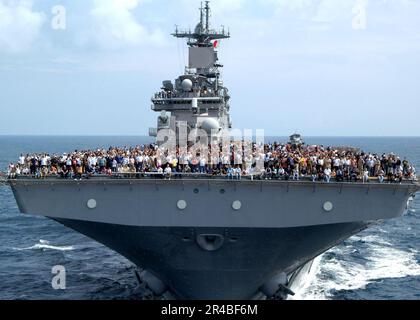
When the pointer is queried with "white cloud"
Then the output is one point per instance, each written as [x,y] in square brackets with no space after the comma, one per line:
[293,5]
[115,26]
[332,10]
[224,6]
[313,10]
[221,10]
[19,25]
[218,6]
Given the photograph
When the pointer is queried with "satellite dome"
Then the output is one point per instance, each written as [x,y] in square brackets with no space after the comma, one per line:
[199,28]
[210,124]
[187,85]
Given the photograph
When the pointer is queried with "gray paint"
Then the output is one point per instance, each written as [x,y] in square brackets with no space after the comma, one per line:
[280,227]
[212,248]
[236,271]
[265,204]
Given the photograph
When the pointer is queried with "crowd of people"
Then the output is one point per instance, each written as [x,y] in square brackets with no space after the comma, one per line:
[274,161]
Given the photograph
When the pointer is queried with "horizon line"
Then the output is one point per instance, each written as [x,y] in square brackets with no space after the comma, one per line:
[146,136]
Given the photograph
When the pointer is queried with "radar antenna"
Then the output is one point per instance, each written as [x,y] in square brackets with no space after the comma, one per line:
[198,100]
[202,36]
[207,16]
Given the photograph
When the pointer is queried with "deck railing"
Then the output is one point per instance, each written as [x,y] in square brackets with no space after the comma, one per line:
[189,176]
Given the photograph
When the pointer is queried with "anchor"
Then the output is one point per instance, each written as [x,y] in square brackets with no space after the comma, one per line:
[150,287]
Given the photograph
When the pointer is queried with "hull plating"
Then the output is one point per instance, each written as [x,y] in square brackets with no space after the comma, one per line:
[277,228]
[247,259]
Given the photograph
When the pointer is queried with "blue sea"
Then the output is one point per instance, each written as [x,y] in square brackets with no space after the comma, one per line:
[380,263]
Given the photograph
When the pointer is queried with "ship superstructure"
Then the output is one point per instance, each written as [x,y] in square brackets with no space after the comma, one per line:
[208,237]
[197,100]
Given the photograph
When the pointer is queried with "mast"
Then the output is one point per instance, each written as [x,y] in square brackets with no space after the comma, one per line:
[207,16]
[202,36]
[201,14]
[197,100]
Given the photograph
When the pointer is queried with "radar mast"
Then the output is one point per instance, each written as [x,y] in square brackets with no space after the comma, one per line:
[203,35]
[197,100]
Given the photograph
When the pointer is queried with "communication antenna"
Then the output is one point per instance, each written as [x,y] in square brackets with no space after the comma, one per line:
[201,15]
[202,36]
[207,16]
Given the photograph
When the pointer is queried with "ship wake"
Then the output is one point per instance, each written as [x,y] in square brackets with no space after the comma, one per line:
[354,265]
[45,245]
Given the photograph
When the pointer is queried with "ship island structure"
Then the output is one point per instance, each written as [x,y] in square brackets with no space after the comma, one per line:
[207,237]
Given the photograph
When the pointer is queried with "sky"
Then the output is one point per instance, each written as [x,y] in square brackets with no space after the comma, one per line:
[319,67]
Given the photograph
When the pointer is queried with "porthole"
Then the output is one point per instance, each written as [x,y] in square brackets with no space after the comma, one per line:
[237,205]
[182,204]
[328,206]
[92,204]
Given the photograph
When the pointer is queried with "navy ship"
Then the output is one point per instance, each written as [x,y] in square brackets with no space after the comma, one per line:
[207,237]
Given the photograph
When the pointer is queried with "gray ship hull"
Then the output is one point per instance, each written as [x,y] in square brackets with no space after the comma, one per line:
[236,271]
[210,247]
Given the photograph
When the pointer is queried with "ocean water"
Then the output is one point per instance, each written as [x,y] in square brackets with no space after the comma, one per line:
[382,262]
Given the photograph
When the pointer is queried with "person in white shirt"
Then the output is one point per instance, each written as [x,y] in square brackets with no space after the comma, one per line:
[296,174]
[139,163]
[11,170]
[250,172]
[22,160]
[168,171]
[226,160]
[237,173]
[238,159]
[381,176]
[44,164]
[114,165]
[336,163]
[366,176]
[348,163]
[146,160]
[44,161]
[126,160]
[281,172]
[68,163]
[327,174]
[203,162]
[92,161]
[314,175]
